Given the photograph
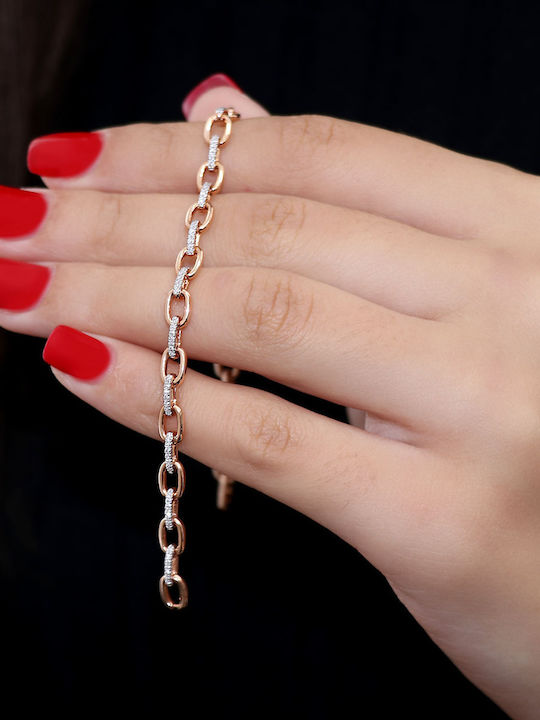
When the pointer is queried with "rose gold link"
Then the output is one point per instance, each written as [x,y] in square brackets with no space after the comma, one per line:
[224,489]
[177,437]
[185,316]
[180,478]
[214,119]
[227,374]
[216,187]
[180,534]
[165,593]
[207,220]
[196,265]
[182,366]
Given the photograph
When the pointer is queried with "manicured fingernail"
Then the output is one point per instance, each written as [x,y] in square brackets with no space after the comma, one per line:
[21,284]
[64,154]
[214,81]
[21,212]
[76,353]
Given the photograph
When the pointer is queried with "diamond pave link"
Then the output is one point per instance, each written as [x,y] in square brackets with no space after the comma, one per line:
[169,498]
[168,565]
[203,195]
[213,152]
[167,394]
[192,237]
[173,332]
[169,448]
[179,282]
[170,578]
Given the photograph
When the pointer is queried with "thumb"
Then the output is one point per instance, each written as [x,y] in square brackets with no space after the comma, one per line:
[219,91]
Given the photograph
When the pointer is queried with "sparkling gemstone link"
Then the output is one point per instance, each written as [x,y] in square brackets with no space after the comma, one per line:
[167,570]
[167,385]
[177,287]
[203,195]
[171,343]
[213,152]
[169,460]
[192,232]
[175,351]
[169,509]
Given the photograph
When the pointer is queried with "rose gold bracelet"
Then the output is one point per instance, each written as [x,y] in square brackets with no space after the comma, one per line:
[172,586]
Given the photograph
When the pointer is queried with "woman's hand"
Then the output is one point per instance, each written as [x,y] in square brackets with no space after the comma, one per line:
[358,265]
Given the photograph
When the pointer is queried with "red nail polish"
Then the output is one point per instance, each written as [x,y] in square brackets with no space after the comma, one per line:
[64,154]
[21,284]
[214,81]
[76,353]
[21,212]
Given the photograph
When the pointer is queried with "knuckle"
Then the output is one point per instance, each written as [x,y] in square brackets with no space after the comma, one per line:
[500,506]
[60,220]
[500,279]
[503,268]
[304,137]
[95,312]
[519,432]
[325,130]
[107,227]
[275,226]
[166,140]
[276,310]
[266,435]
[526,298]
[500,412]
[58,307]
[484,394]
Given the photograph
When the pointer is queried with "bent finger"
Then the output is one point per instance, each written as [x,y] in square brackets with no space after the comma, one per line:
[342,477]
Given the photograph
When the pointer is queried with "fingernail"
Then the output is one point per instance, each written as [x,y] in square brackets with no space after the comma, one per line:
[64,154]
[76,353]
[214,81]
[21,212]
[21,284]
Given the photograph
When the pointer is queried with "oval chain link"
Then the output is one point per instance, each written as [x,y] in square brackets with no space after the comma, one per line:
[171,474]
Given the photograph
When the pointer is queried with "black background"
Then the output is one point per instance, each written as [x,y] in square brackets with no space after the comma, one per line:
[284,617]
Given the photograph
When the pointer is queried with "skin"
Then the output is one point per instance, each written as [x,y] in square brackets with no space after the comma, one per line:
[365,267]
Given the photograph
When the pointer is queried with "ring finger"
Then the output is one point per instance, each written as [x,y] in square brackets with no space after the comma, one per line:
[303,333]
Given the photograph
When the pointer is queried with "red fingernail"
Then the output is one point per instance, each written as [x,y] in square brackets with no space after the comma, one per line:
[76,353]
[64,154]
[214,81]
[21,284]
[21,212]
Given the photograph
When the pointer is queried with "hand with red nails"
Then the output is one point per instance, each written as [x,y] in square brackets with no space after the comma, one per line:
[371,269]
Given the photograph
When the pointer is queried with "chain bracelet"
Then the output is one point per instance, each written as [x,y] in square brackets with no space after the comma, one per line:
[171,475]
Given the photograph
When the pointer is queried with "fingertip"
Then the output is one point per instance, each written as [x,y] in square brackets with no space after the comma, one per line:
[78,354]
[217,80]
[219,90]
[64,155]
[22,212]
